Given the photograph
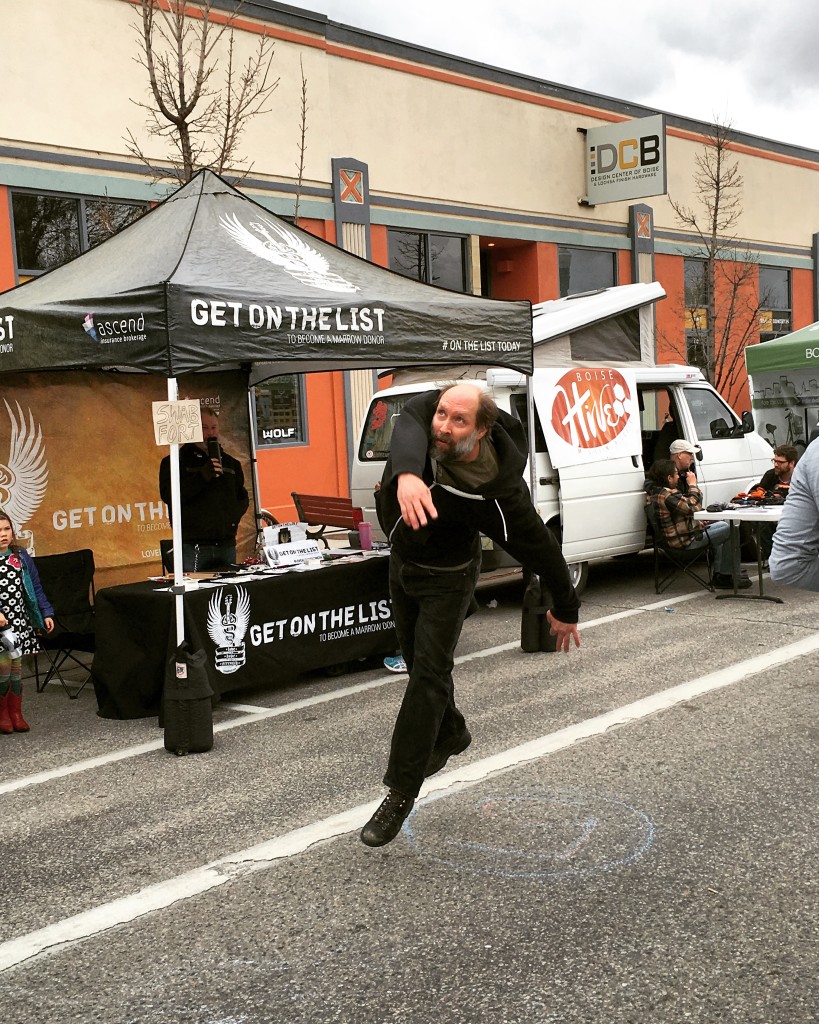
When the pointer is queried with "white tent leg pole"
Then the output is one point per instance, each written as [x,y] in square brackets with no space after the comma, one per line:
[176,527]
[254,462]
[530,419]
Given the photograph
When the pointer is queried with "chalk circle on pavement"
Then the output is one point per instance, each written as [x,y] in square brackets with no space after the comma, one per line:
[551,834]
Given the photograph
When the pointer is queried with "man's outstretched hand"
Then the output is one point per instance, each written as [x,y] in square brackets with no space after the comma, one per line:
[415,501]
[564,632]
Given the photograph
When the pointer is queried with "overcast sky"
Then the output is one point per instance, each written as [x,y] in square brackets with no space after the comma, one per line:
[753,63]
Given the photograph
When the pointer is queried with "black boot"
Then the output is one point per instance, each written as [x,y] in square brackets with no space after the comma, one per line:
[386,823]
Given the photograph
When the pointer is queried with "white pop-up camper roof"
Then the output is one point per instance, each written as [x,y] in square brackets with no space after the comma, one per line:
[610,327]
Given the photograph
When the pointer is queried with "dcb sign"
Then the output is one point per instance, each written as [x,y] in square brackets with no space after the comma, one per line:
[626,160]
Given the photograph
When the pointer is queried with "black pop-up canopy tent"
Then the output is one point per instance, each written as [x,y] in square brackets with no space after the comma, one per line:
[209,279]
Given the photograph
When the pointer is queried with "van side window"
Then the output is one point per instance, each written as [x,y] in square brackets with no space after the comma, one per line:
[518,406]
[713,419]
[381,416]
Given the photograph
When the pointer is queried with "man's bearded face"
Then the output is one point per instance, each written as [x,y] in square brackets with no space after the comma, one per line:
[446,450]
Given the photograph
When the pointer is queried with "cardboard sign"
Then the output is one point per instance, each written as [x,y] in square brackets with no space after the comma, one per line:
[177,422]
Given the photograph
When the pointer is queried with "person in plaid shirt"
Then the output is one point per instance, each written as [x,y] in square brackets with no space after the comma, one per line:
[675,514]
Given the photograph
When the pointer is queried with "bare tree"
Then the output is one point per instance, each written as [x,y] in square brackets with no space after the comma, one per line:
[722,302]
[302,141]
[201,118]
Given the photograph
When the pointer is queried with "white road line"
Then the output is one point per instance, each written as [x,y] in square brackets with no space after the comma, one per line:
[256,858]
[252,714]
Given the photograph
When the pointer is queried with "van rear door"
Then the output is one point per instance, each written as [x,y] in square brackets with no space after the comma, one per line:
[601,501]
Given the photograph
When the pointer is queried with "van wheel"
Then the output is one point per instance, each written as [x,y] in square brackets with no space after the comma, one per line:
[578,571]
[579,575]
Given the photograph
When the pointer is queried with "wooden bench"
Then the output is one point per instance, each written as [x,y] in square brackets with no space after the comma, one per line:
[324,512]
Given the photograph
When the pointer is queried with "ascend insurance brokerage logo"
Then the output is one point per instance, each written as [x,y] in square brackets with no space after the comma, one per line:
[114,332]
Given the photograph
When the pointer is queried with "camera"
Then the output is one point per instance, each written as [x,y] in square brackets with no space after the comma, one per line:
[10,641]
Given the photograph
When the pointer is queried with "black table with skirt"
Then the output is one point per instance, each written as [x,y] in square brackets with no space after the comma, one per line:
[262,631]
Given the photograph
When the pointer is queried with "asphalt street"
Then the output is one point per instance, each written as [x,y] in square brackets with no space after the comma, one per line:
[631,837]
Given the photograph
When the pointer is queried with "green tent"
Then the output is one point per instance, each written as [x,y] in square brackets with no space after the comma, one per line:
[791,352]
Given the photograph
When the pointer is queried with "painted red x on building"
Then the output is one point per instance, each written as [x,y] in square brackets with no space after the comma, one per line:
[644,225]
[352,186]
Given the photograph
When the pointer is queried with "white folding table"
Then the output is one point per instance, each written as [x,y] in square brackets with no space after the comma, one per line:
[745,514]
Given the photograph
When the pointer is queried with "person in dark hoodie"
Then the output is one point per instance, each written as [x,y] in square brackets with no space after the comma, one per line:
[454,472]
[213,499]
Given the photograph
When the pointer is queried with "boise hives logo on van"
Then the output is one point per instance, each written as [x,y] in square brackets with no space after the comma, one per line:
[591,407]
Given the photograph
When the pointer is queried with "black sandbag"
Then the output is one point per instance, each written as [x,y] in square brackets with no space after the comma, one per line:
[186,703]
[534,625]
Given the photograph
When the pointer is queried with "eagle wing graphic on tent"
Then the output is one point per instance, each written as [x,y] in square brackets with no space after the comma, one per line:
[228,629]
[280,246]
[24,477]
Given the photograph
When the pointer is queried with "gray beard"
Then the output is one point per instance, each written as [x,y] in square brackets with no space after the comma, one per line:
[455,452]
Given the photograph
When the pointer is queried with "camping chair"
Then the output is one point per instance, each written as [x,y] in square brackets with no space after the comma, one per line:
[679,561]
[68,581]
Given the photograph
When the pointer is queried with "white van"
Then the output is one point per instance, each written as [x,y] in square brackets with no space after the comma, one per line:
[589,490]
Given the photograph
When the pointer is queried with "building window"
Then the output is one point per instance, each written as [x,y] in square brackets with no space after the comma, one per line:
[280,412]
[49,230]
[585,270]
[774,303]
[433,259]
[696,313]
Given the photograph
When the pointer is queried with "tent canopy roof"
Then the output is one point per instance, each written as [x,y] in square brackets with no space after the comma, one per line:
[209,279]
[790,352]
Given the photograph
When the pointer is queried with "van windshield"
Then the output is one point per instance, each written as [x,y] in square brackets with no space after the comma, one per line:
[381,416]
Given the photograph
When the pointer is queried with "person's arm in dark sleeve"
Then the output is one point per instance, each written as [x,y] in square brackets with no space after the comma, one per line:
[242,497]
[165,480]
[530,542]
[409,443]
[43,602]
[408,469]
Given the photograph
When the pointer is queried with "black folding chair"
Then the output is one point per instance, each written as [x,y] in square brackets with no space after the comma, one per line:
[68,581]
[166,554]
[670,563]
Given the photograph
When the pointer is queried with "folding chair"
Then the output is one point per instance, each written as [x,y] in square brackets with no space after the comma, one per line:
[166,554]
[679,561]
[68,581]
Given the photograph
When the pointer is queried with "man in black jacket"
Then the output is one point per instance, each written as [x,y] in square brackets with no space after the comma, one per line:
[213,497]
[454,472]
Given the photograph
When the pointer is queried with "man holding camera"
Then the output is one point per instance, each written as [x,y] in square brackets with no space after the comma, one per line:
[214,499]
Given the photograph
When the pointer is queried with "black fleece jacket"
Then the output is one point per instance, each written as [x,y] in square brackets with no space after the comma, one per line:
[212,505]
[501,509]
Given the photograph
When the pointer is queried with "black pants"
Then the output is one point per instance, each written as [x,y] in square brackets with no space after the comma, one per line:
[429,607]
[204,557]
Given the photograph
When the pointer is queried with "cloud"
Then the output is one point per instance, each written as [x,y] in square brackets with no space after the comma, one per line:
[747,61]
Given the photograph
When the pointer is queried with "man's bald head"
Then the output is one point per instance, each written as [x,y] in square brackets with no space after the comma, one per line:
[464,415]
[486,411]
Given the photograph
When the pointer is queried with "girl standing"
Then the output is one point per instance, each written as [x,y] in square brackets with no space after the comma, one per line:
[24,607]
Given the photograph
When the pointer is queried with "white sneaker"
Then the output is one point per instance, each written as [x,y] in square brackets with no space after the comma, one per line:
[396,664]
